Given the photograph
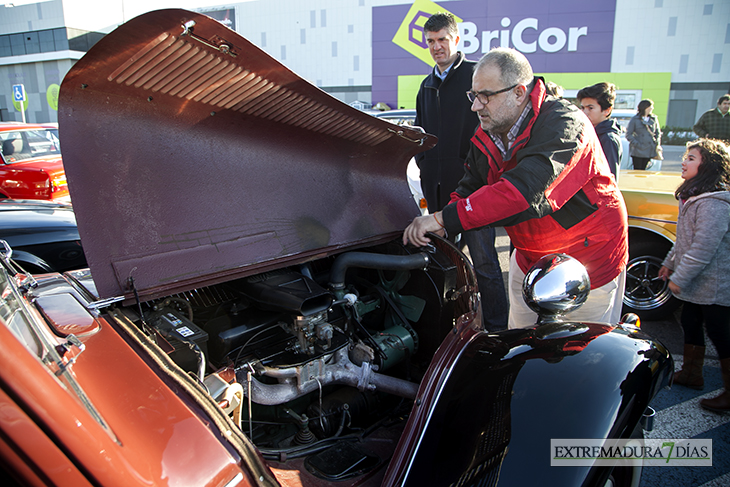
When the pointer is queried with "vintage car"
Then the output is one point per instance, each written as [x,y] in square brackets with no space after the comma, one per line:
[30,162]
[269,327]
[43,235]
[398,117]
[653,211]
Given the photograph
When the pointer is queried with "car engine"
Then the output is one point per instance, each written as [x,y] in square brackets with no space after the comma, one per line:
[302,355]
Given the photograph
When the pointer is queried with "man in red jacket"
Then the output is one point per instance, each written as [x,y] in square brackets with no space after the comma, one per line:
[536,167]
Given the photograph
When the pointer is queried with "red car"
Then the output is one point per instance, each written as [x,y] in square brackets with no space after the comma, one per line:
[31,162]
[251,315]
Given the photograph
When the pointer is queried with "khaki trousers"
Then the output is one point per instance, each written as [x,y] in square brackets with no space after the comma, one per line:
[603,305]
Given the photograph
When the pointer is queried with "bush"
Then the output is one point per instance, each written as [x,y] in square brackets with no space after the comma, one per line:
[677,135]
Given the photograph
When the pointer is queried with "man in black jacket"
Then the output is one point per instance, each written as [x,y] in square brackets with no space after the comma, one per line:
[443,109]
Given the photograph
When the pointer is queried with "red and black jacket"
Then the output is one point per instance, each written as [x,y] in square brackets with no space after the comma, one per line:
[553,193]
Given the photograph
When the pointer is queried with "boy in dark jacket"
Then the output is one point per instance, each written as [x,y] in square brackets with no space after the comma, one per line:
[597,103]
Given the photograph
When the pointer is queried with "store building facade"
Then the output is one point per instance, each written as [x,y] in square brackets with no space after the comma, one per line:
[366,52]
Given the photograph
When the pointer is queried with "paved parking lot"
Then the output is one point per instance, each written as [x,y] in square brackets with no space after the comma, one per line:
[680,416]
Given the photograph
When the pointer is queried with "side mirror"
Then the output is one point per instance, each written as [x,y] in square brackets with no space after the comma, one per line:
[556,285]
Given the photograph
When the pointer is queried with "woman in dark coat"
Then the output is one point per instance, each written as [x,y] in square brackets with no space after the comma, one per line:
[644,135]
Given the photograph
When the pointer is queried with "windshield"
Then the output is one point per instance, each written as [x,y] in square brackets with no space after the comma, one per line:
[20,145]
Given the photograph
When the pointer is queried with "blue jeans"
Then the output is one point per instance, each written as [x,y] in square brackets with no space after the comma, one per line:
[495,307]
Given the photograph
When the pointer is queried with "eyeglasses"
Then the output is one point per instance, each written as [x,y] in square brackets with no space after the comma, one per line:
[483,96]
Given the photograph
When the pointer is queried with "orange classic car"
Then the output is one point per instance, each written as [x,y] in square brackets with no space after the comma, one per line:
[652,210]
[269,327]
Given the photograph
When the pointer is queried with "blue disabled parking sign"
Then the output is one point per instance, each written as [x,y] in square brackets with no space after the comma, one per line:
[18,93]
[19,100]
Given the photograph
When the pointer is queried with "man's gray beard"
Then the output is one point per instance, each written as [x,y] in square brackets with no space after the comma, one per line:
[504,126]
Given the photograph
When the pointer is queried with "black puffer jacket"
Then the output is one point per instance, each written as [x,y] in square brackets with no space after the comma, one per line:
[442,109]
[609,134]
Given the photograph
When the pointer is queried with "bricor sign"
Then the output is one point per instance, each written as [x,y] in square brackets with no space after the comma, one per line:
[552,39]
[557,36]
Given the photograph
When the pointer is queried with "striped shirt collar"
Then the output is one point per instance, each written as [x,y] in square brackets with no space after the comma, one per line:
[512,134]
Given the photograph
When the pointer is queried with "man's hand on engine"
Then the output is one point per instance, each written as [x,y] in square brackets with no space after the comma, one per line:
[416,231]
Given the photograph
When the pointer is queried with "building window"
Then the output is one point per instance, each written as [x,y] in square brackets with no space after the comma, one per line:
[82,40]
[334,49]
[32,44]
[708,9]
[263,39]
[683,63]
[350,29]
[672,29]
[17,44]
[323,20]
[5,50]
[49,40]
[727,34]
[658,3]
[45,38]
[630,56]
[312,19]
[60,39]
[356,63]
[303,36]
[716,63]
[283,53]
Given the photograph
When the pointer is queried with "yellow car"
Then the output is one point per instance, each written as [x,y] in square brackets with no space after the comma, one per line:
[652,210]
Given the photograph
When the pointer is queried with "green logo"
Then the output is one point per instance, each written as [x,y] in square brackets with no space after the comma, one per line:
[52,96]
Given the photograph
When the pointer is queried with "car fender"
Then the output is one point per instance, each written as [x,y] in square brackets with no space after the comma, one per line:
[663,228]
[25,258]
[502,398]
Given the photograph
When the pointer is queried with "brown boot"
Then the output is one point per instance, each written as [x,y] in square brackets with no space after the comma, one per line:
[721,403]
[691,373]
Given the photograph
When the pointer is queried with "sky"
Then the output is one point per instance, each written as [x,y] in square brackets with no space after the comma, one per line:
[133,8]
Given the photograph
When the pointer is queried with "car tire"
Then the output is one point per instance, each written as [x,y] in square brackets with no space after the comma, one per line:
[627,476]
[646,294]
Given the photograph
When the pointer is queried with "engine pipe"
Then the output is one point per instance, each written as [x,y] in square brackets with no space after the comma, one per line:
[342,371]
[369,260]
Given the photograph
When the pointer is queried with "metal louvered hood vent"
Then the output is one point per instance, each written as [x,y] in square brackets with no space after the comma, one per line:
[193,157]
[201,72]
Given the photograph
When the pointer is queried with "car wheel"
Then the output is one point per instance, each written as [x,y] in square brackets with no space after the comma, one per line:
[646,294]
[628,475]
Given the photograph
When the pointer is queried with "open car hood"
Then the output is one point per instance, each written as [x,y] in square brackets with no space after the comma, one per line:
[193,157]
